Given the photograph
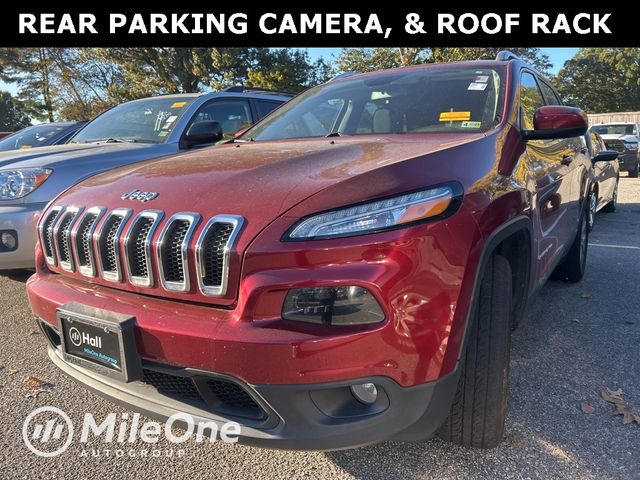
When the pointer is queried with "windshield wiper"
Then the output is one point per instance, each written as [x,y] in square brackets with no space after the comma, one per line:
[333,134]
[109,140]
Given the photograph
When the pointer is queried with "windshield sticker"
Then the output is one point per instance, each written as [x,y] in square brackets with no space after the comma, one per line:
[178,104]
[471,124]
[164,133]
[169,121]
[477,86]
[482,79]
[455,116]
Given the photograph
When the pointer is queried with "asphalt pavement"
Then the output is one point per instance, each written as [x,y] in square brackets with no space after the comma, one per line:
[578,340]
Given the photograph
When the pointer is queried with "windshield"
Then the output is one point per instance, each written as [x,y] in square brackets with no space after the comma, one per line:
[621,129]
[144,121]
[30,137]
[452,99]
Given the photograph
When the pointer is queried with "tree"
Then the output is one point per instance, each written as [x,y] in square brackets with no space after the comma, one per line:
[30,68]
[369,59]
[602,79]
[12,114]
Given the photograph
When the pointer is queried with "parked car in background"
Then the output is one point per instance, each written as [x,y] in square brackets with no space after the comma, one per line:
[131,132]
[606,173]
[42,135]
[624,138]
[347,271]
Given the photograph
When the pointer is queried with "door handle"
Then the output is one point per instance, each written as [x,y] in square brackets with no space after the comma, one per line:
[566,160]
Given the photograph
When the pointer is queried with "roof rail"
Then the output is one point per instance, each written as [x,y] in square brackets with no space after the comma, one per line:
[268,91]
[343,75]
[506,55]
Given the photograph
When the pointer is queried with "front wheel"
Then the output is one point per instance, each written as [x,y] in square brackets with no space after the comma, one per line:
[480,405]
[634,173]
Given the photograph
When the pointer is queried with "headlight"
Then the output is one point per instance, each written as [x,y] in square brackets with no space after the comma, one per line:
[401,210]
[631,145]
[20,182]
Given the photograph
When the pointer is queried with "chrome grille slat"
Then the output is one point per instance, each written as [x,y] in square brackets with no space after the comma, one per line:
[62,237]
[213,251]
[107,241]
[82,240]
[46,235]
[172,251]
[137,245]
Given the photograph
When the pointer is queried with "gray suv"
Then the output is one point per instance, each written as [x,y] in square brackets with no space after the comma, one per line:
[623,137]
[131,132]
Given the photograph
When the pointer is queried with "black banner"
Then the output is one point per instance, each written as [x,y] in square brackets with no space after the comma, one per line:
[320,26]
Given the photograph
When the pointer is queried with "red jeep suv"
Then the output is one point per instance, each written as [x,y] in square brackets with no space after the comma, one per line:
[347,271]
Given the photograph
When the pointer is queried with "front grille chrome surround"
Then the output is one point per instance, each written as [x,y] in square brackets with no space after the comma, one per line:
[108,249]
[162,250]
[62,237]
[46,235]
[82,240]
[216,289]
[131,248]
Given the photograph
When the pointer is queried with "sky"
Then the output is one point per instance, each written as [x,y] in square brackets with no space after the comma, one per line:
[557,56]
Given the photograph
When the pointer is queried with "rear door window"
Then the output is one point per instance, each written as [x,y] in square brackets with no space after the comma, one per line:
[265,107]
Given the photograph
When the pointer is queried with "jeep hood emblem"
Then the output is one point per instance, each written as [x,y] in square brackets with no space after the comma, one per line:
[138,195]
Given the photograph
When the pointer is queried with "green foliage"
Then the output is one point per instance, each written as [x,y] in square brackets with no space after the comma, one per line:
[78,83]
[12,114]
[370,59]
[602,79]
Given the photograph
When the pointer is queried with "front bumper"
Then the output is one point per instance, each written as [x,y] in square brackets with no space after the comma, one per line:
[628,161]
[23,220]
[295,420]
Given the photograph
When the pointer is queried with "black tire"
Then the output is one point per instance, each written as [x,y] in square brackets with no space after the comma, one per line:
[574,264]
[613,204]
[480,405]
[634,173]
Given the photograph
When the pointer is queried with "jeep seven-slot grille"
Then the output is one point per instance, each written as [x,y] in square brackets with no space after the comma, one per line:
[137,248]
[70,233]
[83,243]
[172,261]
[108,255]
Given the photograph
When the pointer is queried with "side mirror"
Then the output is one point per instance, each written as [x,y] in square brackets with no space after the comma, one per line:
[557,121]
[202,133]
[605,156]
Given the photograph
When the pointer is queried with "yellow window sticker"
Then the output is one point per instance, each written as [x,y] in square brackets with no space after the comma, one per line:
[25,147]
[455,116]
[178,104]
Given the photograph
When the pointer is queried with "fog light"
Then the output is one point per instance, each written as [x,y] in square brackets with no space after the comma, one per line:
[8,240]
[349,305]
[366,393]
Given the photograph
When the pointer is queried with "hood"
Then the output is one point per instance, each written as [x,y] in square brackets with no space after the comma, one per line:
[617,136]
[59,154]
[258,180]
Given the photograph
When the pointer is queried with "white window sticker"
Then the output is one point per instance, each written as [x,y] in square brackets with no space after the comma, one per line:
[477,86]
[482,79]
[471,124]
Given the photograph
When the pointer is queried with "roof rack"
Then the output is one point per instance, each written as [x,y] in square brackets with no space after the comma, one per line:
[268,91]
[506,55]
